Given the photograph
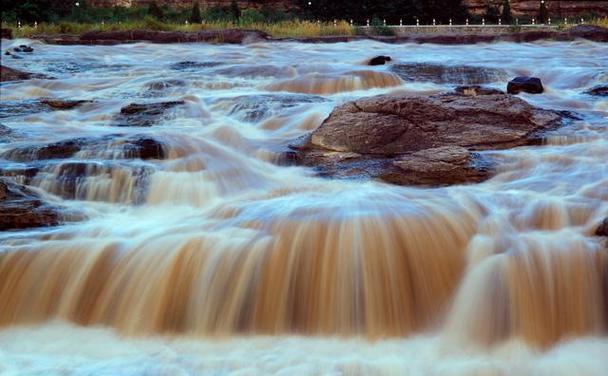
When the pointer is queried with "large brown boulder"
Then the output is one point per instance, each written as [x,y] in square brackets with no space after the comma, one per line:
[415,139]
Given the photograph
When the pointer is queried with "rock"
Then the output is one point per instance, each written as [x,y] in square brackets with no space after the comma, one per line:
[165,84]
[193,65]
[475,90]
[458,74]
[10,74]
[143,114]
[20,208]
[421,140]
[531,85]
[6,33]
[119,146]
[600,91]
[5,132]
[379,60]
[602,229]
[23,48]
[63,104]
[253,108]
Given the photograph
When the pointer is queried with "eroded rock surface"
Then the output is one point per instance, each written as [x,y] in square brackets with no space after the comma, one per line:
[421,140]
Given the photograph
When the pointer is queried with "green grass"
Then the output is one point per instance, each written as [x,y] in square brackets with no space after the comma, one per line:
[292,28]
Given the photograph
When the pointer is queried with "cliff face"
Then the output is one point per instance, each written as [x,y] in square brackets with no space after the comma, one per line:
[556,9]
[519,8]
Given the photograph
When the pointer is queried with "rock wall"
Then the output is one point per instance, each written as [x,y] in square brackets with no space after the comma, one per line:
[556,9]
[519,8]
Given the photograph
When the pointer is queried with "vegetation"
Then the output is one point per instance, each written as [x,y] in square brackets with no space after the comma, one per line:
[195,16]
[506,16]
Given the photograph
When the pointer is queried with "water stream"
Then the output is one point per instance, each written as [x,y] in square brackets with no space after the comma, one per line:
[220,259]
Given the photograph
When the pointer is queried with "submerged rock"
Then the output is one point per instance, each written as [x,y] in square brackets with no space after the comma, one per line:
[165,84]
[379,60]
[116,146]
[475,90]
[423,140]
[253,108]
[63,104]
[531,85]
[143,114]
[10,74]
[457,74]
[602,229]
[600,91]
[193,65]
[21,208]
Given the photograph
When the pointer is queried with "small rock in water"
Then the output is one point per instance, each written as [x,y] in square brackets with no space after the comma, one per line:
[23,48]
[380,60]
[475,90]
[143,114]
[602,229]
[63,104]
[531,85]
[22,208]
[165,84]
[600,91]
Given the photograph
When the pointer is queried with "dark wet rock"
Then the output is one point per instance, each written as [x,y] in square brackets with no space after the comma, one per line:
[379,60]
[230,36]
[115,146]
[6,33]
[600,91]
[63,104]
[23,48]
[253,108]
[165,84]
[531,85]
[458,74]
[143,114]
[21,207]
[256,70]
[10,74]
[194,65]
[422,140]
[475,90]
[602,229]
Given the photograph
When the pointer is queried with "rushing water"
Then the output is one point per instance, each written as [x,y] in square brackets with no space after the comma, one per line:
[219,259]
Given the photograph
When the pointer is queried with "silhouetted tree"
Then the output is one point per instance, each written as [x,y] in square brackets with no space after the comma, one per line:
[491,13]
[542,12]
[195,15]
[155,11]
[507,18]
[235,10]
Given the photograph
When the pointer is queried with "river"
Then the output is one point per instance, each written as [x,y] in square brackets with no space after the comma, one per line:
[221,259]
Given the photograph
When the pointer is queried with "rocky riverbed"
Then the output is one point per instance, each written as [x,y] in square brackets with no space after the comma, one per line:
[450,198]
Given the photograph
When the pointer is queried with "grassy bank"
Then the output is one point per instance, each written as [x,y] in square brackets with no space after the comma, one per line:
[283,29]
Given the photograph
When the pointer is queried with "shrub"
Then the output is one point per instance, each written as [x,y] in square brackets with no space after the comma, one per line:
[155,11]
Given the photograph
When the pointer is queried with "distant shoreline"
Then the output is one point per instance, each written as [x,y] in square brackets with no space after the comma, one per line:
[423,34]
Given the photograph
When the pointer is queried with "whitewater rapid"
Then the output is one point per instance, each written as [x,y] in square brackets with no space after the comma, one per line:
[219,259]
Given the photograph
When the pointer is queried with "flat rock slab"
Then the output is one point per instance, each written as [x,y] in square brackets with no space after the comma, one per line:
[422,140]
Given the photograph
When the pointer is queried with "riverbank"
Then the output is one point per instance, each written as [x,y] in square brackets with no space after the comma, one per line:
[423,34]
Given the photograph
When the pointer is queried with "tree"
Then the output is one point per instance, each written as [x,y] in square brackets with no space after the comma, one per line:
[195,15]
[491,13]
[507,18]
[155,11]
[542,12]
[235,10]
